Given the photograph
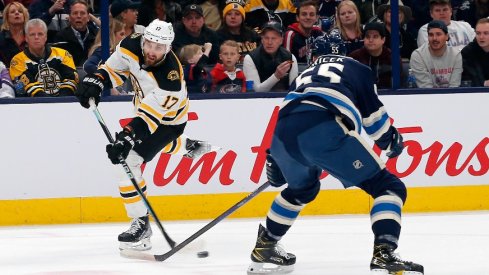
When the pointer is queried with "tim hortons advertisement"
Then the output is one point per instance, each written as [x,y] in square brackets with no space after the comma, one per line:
[63,147]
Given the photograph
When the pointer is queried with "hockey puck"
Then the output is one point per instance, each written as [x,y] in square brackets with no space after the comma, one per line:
[203,254]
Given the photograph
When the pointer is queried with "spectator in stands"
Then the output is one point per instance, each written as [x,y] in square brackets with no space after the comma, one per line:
[421,15]
[26,3]
[299,36]
[258,12]
[41,69]
[173,11]
[79,36]
[127,12]
[212,13]
[348,25]
[434,64]
[6,86]
[475,56]
[464,10]
[367,9]
[53,12]
[376,55]
[194,58]
[12,37]
[460,33]
[233,28]
[152,9]
[327,8]
[270,66]
[192,30]
[116,34]
[226,78]
[481,9]
[407,43]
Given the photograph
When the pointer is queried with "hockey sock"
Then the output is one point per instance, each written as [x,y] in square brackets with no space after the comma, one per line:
[386,219]
[281,216]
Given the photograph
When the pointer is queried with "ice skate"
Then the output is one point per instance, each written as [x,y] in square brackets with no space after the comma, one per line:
[196,148]
[137,237]
[385,261]
[268,257]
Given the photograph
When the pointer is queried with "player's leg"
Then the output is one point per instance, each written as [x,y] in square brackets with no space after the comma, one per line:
[138,235]
[303,186]
[389,194]
[353,162]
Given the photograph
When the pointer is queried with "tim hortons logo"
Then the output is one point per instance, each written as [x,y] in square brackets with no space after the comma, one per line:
[437,157]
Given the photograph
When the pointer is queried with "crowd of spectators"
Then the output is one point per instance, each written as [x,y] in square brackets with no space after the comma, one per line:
[263,42]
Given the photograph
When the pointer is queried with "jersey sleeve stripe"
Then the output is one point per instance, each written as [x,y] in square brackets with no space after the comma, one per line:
[130,54]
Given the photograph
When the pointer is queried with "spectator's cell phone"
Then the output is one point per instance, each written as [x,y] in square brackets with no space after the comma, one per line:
[290,61]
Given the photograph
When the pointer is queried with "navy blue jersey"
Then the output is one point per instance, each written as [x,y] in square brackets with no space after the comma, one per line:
[345,87]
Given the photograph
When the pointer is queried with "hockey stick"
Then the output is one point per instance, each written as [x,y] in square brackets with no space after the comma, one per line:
[161,257]
[129,173]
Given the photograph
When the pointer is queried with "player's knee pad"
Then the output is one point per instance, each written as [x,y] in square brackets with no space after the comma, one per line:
[384,183]
[302,195]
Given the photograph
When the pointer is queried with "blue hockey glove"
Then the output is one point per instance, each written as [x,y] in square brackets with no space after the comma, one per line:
[274,174]
[124,142]
[90,86]
[391,141]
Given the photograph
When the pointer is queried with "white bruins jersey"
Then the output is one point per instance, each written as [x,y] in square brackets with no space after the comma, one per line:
[160,91]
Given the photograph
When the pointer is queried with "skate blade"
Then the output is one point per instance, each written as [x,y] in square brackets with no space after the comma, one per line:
[142,245]
[383,271]
[268,268]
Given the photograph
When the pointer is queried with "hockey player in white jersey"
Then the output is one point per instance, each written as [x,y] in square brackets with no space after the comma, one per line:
[160,104]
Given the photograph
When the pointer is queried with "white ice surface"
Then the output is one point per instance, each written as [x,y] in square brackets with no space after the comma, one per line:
[446,244]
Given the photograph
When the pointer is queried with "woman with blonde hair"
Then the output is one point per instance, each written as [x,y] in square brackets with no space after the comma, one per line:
[12,38]
[348,25]
[116,34]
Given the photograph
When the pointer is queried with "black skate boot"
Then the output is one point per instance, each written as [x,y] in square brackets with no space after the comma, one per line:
[196,148]
[137,236]
[268,257]
[385,261]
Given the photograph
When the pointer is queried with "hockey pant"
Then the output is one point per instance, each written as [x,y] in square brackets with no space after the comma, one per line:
[166,139]
[304,144]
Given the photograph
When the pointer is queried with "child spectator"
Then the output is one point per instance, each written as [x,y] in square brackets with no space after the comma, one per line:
[194,58]
[6,87]
[475,56]
[226,78]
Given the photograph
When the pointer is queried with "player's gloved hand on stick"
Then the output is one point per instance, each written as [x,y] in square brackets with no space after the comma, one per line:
[274,174]
[124,141]
[392,142]
[396,146]
[90,86]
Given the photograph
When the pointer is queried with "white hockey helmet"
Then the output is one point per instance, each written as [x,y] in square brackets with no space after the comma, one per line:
[160,32]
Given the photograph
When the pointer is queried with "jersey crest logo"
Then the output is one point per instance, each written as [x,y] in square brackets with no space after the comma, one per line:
[173,75]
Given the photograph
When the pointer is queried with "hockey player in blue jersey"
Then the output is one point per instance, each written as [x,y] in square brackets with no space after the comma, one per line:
[318,128]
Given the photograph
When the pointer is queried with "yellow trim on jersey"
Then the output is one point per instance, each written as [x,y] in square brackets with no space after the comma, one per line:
[183,113]
[113,75]
[145,107]
[132,200]
[130,54]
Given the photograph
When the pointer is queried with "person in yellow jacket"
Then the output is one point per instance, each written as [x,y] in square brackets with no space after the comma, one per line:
[41,70]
